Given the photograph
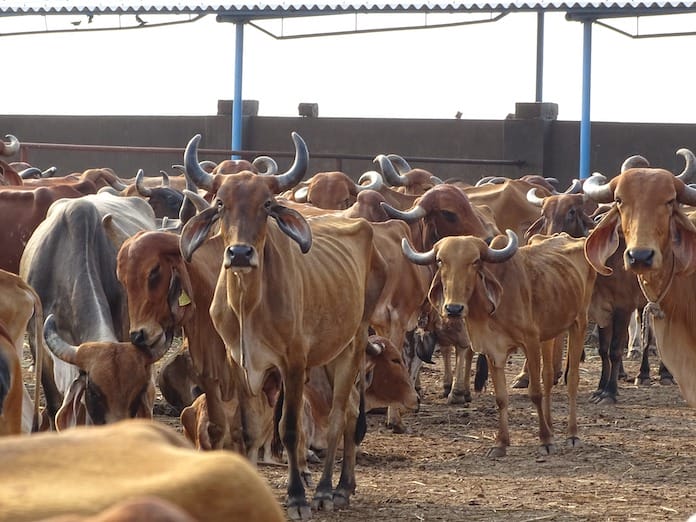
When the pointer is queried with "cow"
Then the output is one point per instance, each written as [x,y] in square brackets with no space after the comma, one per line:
[516,297]
[334,189]
[660,250]
[399,174]
[283,284]
[124,461]
[164,199]
[19,305]
[70,260]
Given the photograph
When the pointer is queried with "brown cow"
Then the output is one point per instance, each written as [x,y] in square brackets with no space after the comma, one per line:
[515,298]
[303,291]
[86,470]
[660,250]
[334,190]
[407,180]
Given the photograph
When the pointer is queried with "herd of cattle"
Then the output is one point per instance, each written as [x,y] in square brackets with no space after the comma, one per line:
[302,303]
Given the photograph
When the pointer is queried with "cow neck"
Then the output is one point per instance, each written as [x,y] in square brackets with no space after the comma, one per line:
[653,308]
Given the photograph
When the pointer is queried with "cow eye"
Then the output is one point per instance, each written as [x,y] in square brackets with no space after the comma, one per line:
[617,200]
[267,204]
[438,261]
[218,203]
[153,275]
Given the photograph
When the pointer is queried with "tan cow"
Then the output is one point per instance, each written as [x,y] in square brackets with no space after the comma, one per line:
[86,470]
[660,250]
[515,298]
[293,293]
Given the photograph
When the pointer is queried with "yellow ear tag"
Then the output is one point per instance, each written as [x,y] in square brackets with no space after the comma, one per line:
[184,299]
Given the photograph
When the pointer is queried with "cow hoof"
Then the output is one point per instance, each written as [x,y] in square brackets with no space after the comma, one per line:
[606,399]
[323,501]
[459,397]
[642,381]
[299,510]
[667,381]
[521,381]
[547,449]
[341,499]
[573,442]
[496,452]
[446,390]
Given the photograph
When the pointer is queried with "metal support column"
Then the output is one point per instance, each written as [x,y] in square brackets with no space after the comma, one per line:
[586,83]
[540,57]
[237,130]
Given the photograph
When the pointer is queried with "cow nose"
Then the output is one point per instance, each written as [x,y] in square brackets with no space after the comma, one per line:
[137,337]
[640,257]
[454,310]
[238,255]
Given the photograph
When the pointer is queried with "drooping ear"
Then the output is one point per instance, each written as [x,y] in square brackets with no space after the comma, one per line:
[603,242]
[535,228]
[683,235]
[196,231]
[180,295]
[435,293]
[293,224]
[491,289]
[72,412]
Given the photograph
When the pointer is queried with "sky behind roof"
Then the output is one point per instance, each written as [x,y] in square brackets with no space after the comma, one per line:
[479,70]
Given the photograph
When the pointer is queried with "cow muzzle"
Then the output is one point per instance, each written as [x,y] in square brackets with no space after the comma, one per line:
[640,258]
[241,257]
[454,309]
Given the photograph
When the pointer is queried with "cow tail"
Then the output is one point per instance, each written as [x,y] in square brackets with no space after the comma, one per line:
[5,379]
[361,424]
[276,442]
[481,372]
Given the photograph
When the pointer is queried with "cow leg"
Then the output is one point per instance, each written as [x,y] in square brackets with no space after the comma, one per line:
[218,425]
[521,381]
[448,378]
[290,426]
[542,402]
[576,337]
[643,377]
[558,345]
[619,333]
[605,335]
[461,386]
[502,439]
[666,378]
[634,342]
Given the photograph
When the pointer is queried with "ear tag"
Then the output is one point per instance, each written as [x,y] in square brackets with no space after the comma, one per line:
[184,299]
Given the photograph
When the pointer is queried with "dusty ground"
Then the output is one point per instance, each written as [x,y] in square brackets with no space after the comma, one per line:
[637,462]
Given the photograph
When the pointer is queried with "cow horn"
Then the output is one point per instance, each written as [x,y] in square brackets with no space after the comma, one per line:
[193,169]
[494,255]
[634,162]
[410,216]
[265,165]
[575,187]
[690,168]
[483,181]
[200,203]
[419,258]
[595,186]
[375,179]
[400,164]
[61,349]
[11,147]
[552,181]
[208,165]
[298,169]
[534,199]
[30,173]
[140,184]
[436,181]
[49,172]
[165,179]
[389,172]
[300,195]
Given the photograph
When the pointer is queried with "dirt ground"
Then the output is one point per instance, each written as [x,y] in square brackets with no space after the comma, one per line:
[637,462]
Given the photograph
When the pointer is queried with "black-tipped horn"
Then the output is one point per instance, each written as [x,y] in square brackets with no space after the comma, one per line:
[49,172]
[436,181]
[534,199]
[60,348]
[688,195]
[690,168]
[419,258]
[298,169]
[165,178]
[140,184]
[265,165]
[400,164]
[11,147]
[374,179]
[597,188]
[389,172]
[483,180]
[575,187]
[200,203]
[635,162]
[30,173]
[410,216]
[208,165]
[495,255]
[193,169]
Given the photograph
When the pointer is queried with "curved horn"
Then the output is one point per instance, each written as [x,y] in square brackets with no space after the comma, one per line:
[193,169]
[49,172]
[552,181]
[165,179]
[410,216]
[12,147]
[375,179]
[300,195]
[436,181]
[595,186]
[30,173]
[400,164]
[494,255]
[61,349]
[483,180]
[208,165]
[575,187]
[534,199]
[690,168]
[298,169]
[634,162]
[419,258]
[140,184]
[389,172]
[265,165]
[200,203]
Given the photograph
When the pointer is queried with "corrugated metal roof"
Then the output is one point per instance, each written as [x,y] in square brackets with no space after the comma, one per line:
[52,7]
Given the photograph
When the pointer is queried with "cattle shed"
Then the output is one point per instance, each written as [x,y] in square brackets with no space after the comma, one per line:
[245,14]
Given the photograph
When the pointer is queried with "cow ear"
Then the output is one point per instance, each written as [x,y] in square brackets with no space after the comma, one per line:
[603,242]
[72,412]
[684,243]
[535,228]
[196,231]
[492,289]
[293,224]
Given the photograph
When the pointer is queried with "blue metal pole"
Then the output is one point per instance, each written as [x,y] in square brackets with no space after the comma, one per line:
[586,83]
[237,102]
[540,57]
